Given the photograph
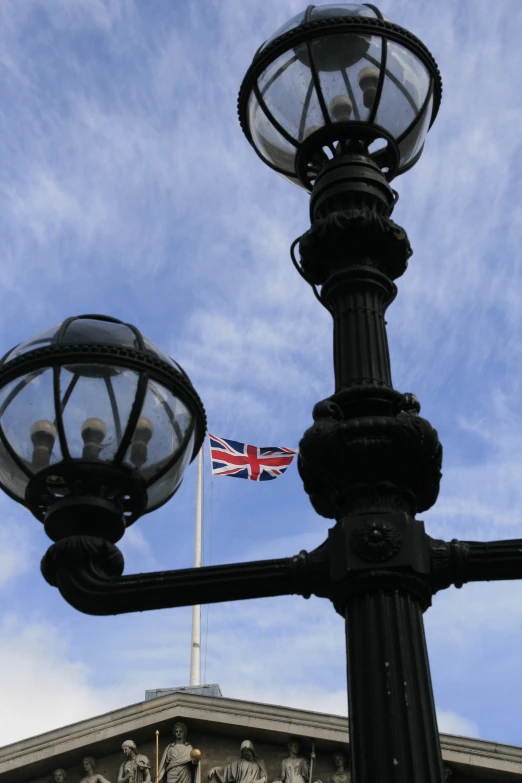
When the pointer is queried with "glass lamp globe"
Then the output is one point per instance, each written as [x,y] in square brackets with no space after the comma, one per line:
[97,426]
[334,77]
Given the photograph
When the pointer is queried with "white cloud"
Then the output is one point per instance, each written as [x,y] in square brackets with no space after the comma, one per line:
[137,551]
[304,697]
[15,550]
[450,723]
[57,688]
[44,688]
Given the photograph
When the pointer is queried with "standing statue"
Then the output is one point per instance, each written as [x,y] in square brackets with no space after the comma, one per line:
[136,767]
[59,776]
[340,775]
[295,768]
[247,769]
[180,761]
[91,776]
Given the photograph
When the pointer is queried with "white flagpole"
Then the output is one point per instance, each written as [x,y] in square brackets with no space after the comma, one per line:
[195,649]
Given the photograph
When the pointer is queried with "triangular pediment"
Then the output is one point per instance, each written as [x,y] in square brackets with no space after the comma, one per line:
[218,725]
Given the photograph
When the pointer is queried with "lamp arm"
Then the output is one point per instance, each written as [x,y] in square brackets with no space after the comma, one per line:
[87,571]
[458,562]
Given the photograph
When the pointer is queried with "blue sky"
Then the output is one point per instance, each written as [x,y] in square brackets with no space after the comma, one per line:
[127,188]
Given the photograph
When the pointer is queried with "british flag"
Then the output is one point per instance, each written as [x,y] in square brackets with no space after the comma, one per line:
[257,463]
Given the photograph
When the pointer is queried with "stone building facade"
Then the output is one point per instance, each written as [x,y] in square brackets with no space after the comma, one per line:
[218,726]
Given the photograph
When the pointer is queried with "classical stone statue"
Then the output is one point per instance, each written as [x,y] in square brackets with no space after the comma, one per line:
[295,768]
[91,776]
[247,769]
[59,776]
[136,767]
[180,761]
[341,775]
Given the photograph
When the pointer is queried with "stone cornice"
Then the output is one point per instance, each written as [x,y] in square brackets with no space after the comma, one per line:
[494,760]
[257,718]
[488,760]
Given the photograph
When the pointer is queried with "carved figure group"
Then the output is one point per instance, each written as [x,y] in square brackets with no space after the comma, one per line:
[180,764]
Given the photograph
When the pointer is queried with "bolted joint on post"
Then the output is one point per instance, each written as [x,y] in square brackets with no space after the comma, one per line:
[380,551]
[364,542]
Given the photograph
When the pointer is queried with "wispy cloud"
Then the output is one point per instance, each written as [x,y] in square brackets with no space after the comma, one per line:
[16,550]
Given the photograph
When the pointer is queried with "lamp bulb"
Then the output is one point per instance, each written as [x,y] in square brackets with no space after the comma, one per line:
[43,433]
[341,108]
[93,432]
[368,81]
[43,436]
[142,435]
[144,429]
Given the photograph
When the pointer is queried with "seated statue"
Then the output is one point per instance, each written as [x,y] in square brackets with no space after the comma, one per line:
[91,776]
[341,775]
[136,767]
[295,768]
[247,769]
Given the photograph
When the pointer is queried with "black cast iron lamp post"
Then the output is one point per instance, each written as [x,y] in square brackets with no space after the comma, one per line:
[97,424]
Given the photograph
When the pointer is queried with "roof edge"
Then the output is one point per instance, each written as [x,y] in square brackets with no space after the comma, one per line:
[222,710]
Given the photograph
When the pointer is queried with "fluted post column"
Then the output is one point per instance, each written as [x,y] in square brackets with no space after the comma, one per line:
[358,297]
[393,726]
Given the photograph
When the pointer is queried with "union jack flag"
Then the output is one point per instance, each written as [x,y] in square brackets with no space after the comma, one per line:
[257,463]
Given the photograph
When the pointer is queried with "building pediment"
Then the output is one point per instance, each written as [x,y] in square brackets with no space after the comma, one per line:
[217,726]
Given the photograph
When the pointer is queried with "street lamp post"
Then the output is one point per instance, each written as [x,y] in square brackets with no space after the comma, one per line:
[341,100]
[97,425]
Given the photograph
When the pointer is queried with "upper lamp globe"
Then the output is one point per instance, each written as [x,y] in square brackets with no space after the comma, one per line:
[97,426]
[339,78]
